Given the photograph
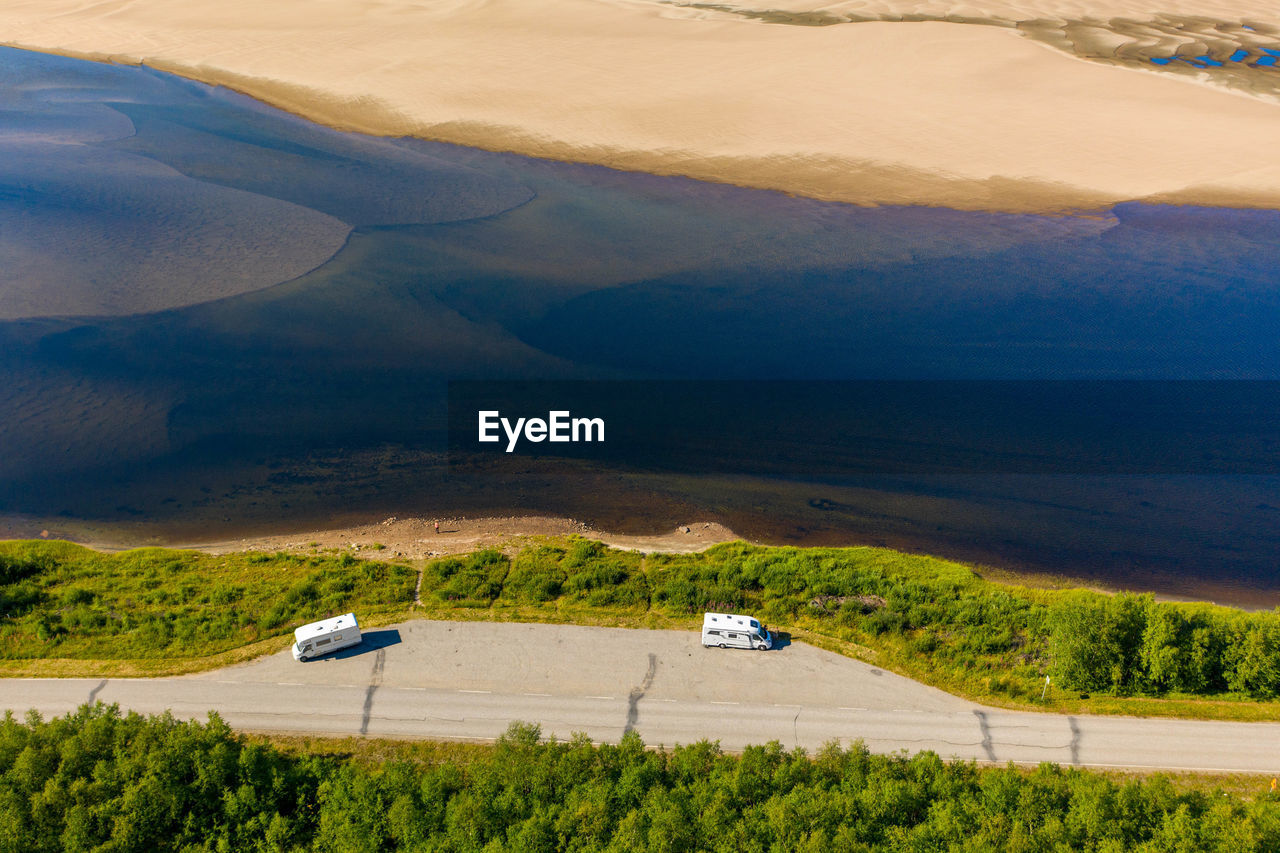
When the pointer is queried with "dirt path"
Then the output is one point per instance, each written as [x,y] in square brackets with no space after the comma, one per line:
[417,538]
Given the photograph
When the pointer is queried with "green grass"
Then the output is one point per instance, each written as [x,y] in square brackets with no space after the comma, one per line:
[62,601]
[66,610]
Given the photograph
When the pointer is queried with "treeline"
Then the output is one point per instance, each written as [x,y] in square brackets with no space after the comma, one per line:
[61,600]
[1128,644]
[96,780]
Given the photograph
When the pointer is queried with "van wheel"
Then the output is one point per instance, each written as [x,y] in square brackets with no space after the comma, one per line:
[302,658]
[723,646]
[760,648]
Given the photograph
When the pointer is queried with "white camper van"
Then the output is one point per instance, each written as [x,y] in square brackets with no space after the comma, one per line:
[729,630]
[329,635]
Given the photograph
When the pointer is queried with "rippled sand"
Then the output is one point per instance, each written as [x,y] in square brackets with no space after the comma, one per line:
[124,192]
[88,229]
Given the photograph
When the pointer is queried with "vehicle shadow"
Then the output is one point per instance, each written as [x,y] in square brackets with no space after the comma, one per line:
[370,641]
[781,639]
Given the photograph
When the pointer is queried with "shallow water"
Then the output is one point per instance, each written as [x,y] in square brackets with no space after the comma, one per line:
[278,355]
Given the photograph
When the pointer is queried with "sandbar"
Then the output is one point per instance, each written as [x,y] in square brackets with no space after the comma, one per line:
[904,103]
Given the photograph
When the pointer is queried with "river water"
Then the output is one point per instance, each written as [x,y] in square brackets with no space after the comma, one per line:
[216,317]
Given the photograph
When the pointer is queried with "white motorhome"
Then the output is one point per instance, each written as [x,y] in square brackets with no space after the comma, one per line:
[730,630]
[327,635]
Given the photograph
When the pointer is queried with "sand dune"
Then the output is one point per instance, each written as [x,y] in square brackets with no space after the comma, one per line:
[879,110]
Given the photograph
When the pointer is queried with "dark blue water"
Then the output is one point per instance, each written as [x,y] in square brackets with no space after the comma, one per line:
[296,373]
[1206,61]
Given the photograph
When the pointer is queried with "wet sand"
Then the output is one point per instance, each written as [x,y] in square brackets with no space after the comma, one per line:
[904,103]
[419,538]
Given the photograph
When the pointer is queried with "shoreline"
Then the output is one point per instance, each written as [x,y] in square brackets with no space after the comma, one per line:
[845,181]
[829,179]
[414,538]
[917,120]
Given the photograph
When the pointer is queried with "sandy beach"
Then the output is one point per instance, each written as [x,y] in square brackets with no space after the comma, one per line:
[1017,106]
[422,538]
[411,538]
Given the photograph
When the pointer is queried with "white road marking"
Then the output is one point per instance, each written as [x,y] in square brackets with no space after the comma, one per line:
[475,691]
[714,702]
[535,694]
[599,697]
[847,708]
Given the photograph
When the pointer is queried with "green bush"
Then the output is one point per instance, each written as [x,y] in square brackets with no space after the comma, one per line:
[471,581]
[604,578]
[535,576]
[1128,644]
[1252,656]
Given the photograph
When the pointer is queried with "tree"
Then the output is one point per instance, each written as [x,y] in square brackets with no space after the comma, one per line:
[1254,657]
[1075,624]
[1097,640]
[1166,649]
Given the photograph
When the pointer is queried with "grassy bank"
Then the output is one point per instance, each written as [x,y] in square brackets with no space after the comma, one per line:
[71,611]
[156,610]
[95,780]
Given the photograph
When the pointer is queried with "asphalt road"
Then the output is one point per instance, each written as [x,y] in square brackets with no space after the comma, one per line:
[470,680]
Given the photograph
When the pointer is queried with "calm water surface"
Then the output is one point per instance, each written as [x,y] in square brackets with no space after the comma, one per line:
[215,317]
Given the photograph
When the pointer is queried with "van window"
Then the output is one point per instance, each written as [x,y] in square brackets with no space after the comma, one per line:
[307,647]
[337,637]
[323,642]
[733,636]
